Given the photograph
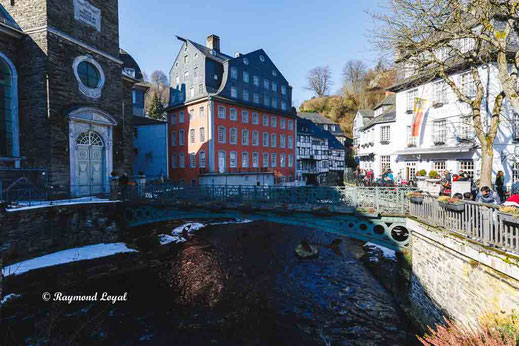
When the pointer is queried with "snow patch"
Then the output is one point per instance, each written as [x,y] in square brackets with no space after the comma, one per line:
[9,297]
[387,253]
[49,204]
[168,239]
[191,228]
[236,221]
[67,256]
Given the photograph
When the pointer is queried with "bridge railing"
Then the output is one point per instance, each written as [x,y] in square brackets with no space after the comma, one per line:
[481,222]
[387,200]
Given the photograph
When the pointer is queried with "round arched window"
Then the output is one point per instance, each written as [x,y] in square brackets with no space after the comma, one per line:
[89,74]
[90,138]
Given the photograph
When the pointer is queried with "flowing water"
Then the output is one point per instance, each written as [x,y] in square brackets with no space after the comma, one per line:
[229,284]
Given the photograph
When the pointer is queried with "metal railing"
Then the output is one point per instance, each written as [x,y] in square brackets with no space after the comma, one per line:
[386,200]
[481,222]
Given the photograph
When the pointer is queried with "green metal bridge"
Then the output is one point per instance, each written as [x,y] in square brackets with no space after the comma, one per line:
[369,214]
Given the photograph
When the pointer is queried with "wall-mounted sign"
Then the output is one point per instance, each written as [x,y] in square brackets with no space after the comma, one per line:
[87,13]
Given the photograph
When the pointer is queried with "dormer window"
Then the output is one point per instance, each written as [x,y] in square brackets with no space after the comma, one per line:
[129,71]
[274,73]
[245,61]
[185,48]
[213,52]
[262,58]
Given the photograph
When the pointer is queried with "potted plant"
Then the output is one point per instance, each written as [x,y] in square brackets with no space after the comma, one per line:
[421,174]
[452,204]
[415,197]
[509,214]
[434,175]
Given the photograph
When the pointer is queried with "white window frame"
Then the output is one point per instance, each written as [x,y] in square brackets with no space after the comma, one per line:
[266,160]
[245,159]
[233,114]
[244,117]
[221,134]
[181,137]
[244,137]
[233,159]
[233,136]
[222,112]
[255,138]
[267,141]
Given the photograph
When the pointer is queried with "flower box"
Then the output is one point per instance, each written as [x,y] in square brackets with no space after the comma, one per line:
[507,217]
[452,204]
[416,200]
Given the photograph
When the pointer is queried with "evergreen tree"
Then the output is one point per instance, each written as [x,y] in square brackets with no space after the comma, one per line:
[156,108]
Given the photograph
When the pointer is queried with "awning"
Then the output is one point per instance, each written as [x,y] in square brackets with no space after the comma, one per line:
[436,150]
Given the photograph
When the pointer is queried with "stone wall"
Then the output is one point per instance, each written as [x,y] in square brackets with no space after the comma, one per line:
[34,232]
[459,279]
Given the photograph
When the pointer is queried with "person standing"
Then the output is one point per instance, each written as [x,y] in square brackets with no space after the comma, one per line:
[500,185]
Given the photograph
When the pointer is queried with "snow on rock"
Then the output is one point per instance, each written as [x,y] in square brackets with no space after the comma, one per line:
[49,204]
[67,256]
[236,221]
[9,297]
[168,239]
[387,253]
[191,227]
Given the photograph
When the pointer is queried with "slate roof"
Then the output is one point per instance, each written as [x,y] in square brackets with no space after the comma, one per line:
[307,127]
[5,18]
[129,62]
[316,118]
[390,100]
[387,117]
[141,121]
[217,56]
[366,113]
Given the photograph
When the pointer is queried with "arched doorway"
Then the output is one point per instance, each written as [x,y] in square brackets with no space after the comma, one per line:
[90,164]
[91,151]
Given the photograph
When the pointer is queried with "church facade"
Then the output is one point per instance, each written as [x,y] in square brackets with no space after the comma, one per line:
[65,97]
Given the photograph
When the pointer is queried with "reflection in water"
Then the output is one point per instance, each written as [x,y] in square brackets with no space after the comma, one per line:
[229,284]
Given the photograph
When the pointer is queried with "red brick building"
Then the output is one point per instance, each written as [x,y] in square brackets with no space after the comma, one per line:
[231,118]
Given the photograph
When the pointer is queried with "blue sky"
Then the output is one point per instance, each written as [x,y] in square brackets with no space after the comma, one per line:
[297,35]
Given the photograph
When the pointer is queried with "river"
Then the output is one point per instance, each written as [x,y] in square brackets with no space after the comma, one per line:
[229,284]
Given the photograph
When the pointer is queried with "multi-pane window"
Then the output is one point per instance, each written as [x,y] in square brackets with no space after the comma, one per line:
[267,100]
[234,92]
[181,137]
[466,128]
[290,142]
[200,89]
[265,159]
[195,72]
[255,98]
[181,160]
[174,161]
[201,112]
[244,117]
[255,160]
[439,166]
[221,112]
[284,105]
[273,121]
[245,137]
[192,160]
[181,117]
[274,102]
[273,160]
[411,99]
[273,141]
[245,160]
[282,124]
[245,95]
[385,163]
[265,139]
[201,159]
[265,120]
[186,76]
[191,114]
[255,80]
[290,125]
[282,160]
[174,139]
[284,89]
[255,138]
[192,136]
[173,119]
[233,136]
[468,87]
[255,118]
[290,160]
[233,159]
[440,92]
[266,84]
[233,114]
[282,141]
[221,134]
[234,73]
[245,76]
[385,134]
[467,166]
[202,134]
[440,132]
[274,86]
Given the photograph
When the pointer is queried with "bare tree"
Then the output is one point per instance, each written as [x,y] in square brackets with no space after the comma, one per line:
[436,39]
[157,98]
[319,80]
[355,73]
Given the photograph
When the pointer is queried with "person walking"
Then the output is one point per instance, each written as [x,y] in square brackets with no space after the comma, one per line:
[500,183]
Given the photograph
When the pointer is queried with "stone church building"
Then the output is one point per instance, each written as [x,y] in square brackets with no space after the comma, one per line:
[65,96]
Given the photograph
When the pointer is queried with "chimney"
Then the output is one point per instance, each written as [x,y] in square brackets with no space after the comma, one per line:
[213,42]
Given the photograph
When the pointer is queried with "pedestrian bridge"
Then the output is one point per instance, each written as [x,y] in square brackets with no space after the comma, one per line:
[369,214]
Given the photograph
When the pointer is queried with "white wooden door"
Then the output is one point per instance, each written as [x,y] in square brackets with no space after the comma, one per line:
[90,165]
